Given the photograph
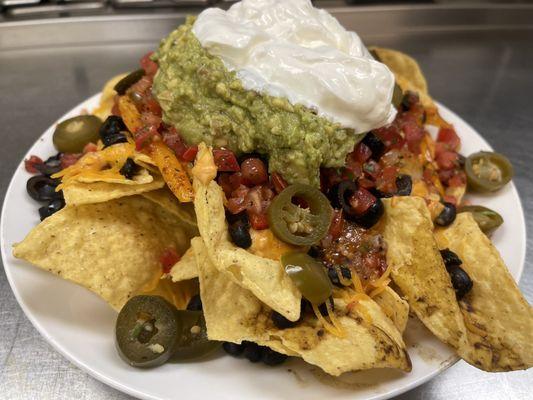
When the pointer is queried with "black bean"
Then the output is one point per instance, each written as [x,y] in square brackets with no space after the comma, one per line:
[450,258]
[195,303]
[52,207]
[372,215]
[233,349]
[334,277]
[461,282]
[239,232]
[315,252]
[111,131]
[409,100]
[447,215]
[128,169]
[271,357]
[125,83]
[252,351]
[280,321]
[42,188]
[376,146]
[404,185]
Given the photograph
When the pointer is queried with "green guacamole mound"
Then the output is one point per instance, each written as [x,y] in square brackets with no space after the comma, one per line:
[206,102]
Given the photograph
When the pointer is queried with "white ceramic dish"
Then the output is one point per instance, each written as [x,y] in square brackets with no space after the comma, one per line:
[80,326]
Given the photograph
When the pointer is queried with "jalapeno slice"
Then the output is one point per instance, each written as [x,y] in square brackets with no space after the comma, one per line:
[192,341]
[309,276]
[487,219]
[71,135]
[487,171]
[296,225]
[147,331]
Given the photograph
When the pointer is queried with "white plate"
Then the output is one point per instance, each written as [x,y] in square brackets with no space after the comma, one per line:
[80,326]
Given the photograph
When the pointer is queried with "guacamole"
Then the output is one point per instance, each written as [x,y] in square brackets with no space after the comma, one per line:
[207,102]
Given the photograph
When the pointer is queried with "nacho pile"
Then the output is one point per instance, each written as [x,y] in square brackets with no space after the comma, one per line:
[166,230]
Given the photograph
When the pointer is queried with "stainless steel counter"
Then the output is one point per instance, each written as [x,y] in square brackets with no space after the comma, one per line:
[478,61]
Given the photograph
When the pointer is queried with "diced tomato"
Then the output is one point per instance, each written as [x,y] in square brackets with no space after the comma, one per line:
[258,221]
[447,160]
[445,175]
[237,199]
[152,106]
[386,181]
[30,164]
[374,263]
[390,136]
[414,134]
[225,160]
[254,200]
[168,259]
[354,166]
[361,201]
[68,159]
[448,136]
[361,153]
[172,139]
[278,182]
[149,66]
[143,135]
[459,179]
[366,183]
[450,199]
[236,205]
[190,154]
[90,148]
[372,169]
[337,224]
[152,119]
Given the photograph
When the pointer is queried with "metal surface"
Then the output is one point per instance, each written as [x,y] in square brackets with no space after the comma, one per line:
[478,61]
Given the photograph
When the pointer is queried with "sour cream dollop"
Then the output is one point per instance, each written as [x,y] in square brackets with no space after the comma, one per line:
[291,49]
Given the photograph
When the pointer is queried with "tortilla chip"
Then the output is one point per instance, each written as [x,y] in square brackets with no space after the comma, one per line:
[107,98]
[418,269]
[234,314]
[407,72]
[501,317]
[140,178]
[186,267]
[110,248]
[166,199]
[265,278]
[394,307]
[88,193]
[177,293]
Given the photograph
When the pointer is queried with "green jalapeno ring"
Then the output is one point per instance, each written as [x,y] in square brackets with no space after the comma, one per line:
[296,225]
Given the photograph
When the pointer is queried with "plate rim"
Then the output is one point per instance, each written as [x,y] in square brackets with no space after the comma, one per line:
[143,395]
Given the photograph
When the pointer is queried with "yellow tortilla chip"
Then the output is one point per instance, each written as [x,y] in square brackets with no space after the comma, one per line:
[177,293]
[107,98]
[87,193]
[166,199]
[111,248]
[394,307]
[141,177]
[499,319]
[418,269]
[186,267]
[265,278]
[234,314]
[407,72]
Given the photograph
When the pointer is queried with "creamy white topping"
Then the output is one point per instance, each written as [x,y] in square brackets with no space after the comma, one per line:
[291,49]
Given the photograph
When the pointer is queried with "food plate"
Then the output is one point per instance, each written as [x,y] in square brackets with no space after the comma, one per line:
[80,325]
